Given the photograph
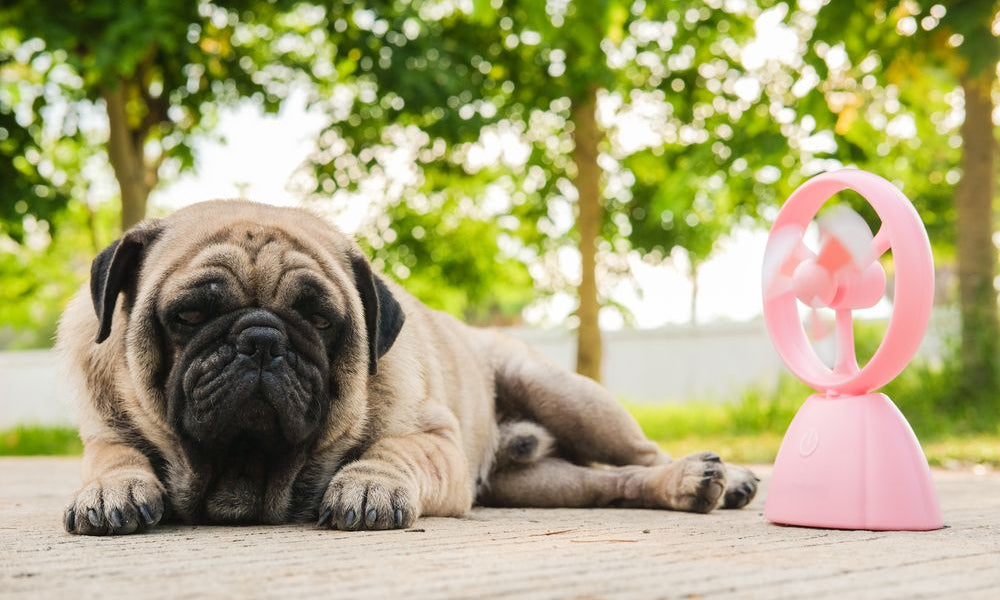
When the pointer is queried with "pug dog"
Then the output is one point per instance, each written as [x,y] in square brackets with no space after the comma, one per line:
[242,363]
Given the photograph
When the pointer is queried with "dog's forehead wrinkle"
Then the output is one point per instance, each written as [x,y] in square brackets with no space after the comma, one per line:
[208,272]
[257,243]
[267,273]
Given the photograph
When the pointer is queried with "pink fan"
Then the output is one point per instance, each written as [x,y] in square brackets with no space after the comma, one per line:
[849,459]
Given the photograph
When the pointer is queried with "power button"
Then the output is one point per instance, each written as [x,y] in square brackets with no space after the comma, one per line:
[808,442]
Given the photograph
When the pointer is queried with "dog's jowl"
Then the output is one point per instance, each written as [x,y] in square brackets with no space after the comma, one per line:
[237,362]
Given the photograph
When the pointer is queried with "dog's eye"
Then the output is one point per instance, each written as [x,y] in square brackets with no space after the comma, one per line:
[191,317]
[319,321]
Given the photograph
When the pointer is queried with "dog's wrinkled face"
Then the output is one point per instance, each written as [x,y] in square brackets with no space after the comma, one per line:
[251,335]
[245,324]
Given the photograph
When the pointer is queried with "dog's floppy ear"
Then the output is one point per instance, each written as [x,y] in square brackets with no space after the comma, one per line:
[383,315]
[116,270]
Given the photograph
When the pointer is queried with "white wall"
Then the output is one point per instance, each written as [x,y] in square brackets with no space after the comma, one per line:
[707,362]
[32,391]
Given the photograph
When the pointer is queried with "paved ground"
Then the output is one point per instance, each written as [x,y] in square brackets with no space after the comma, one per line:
[500,553]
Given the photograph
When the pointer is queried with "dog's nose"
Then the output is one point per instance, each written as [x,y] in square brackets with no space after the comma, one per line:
[262,343]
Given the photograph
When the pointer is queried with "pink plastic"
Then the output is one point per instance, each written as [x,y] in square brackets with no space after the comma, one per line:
[849,460]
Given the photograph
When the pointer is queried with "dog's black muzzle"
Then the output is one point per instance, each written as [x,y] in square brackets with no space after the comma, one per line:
[241,376]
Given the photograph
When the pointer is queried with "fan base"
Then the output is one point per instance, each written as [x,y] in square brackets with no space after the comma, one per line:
[852,462]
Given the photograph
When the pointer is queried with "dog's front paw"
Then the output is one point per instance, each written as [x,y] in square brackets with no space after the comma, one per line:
[741,486]
[116,504]
[364,496]
[694,483]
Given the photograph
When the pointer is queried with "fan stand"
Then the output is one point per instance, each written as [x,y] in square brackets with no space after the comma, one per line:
[852,462]
[849,459]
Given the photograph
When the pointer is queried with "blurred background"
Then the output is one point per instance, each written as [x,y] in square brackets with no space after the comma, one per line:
[596,176]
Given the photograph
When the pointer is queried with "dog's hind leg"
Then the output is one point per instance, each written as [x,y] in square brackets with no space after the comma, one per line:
[589,425]
[695,484]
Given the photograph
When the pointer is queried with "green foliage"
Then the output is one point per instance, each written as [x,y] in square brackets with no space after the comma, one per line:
[453,84]
[908,31]
[452,263]
[20,180]
[184,57]
[889,98]
[39,278]
[38,441]
[175,64]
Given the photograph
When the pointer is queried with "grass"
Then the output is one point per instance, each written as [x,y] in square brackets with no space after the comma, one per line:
[680,428]
[948,451]
[747,449]
[35,441]
[964,451]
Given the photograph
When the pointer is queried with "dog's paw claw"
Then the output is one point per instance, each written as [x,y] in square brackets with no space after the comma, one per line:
[115,506]
[356,501]
[693,484]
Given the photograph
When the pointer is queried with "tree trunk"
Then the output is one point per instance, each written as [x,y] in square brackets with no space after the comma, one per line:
[586,137]
[126,152]
[976,252]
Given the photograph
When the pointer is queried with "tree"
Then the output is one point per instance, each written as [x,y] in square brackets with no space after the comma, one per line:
[530,77]
[95,87]
[44,236]
[157,70]
[946,46]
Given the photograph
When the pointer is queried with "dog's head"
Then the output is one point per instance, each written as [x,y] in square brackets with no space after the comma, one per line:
[243,323]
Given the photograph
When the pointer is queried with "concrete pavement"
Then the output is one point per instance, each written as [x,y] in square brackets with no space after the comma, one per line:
[513,553]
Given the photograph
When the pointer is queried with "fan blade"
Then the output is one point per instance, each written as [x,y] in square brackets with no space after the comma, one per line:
[783,254]
[847,240]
